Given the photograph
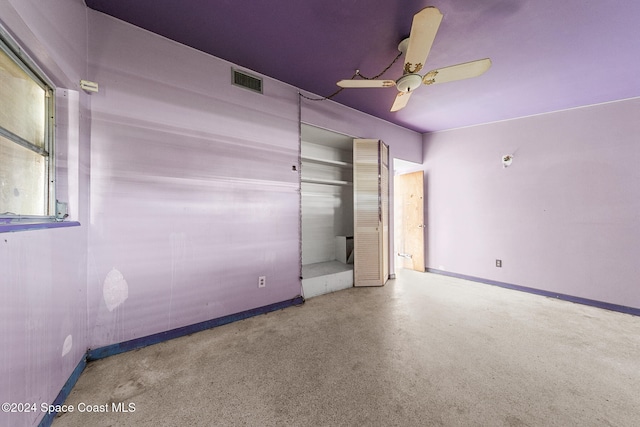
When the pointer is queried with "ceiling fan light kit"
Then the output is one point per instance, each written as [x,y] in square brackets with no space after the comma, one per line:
[409,82]
[416,48]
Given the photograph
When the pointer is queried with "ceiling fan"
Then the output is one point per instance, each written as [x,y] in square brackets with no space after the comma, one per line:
[416,49]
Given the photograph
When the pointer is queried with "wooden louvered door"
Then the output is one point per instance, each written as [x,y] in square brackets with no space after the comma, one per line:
[371,212]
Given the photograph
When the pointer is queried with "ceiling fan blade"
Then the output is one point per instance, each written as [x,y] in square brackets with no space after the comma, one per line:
[401,101]
[457,72]
[365,83]
[423,31]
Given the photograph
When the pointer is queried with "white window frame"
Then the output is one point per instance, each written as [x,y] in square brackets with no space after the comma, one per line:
[9,46]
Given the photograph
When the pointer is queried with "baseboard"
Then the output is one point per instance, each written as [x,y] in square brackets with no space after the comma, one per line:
[579,300]
[110,350]
[47,420]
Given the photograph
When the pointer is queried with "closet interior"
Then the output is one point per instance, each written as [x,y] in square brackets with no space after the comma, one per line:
[327,211]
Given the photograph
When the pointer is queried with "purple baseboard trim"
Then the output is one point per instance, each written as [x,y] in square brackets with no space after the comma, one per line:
[47,420]
[579,300]
[110,350]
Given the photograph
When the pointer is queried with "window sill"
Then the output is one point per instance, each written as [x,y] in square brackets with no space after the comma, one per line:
[8,228]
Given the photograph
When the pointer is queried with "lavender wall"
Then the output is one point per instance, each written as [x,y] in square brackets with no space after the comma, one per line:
[43,272]
[192,190]
[564,217]
[183,185]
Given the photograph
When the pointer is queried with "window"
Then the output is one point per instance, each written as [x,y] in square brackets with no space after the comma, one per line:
[26,138]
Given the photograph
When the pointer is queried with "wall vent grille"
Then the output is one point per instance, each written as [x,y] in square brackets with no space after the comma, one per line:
[245,80]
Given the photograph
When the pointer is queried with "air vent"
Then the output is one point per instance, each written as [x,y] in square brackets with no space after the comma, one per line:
[240,78]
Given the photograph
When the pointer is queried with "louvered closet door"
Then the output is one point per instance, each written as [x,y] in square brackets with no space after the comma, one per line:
[370,262]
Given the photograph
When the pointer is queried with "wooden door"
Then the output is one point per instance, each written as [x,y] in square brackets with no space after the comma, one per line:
[409,192]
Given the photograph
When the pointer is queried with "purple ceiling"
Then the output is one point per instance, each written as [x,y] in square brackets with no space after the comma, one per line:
[547,55]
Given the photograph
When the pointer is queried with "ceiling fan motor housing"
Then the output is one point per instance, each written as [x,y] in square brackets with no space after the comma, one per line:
[409,82]
[416,50]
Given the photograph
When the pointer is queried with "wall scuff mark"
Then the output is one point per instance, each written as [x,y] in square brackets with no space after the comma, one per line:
[115,289]
[67,346]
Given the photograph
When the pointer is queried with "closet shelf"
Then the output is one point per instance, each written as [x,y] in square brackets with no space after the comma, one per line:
[326,181]
[327,162]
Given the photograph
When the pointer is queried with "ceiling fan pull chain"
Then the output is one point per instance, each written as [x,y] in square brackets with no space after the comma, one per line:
[357,73]
[382,72]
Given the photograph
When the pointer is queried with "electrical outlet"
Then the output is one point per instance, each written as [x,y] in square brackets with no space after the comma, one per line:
[262,281]
[498,263]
